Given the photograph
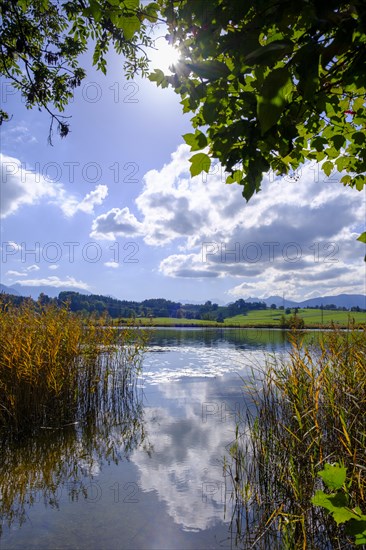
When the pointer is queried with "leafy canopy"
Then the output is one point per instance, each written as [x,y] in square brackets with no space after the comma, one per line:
[41,42]
[271,84]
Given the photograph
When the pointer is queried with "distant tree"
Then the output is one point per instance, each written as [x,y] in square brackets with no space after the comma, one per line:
[220,317]
[43,299]
[273,306]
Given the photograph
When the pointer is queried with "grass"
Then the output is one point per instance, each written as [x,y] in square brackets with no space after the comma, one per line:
[306,411]
[57,368]
[171,322]
[313,318]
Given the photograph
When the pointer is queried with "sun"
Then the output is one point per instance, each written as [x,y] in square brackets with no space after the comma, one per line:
[163,56]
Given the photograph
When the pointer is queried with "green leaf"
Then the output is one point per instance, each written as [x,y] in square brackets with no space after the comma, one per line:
[269,53]
[274,97]
[327,167]
[130,4]
[336,504]
[199,163]
[357,528]
[158,77]
[95,10]
[196,141]
[211,70]
[235,177]
[129,26]
[318,143]
[359,138]
[307,61]
[338,141]
[333,475]
[359,182]
[362,237]
[341,163]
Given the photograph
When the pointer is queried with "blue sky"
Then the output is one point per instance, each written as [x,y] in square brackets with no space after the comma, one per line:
[112,208]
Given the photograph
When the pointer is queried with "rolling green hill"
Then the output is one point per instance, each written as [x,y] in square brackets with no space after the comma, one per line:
[266,318]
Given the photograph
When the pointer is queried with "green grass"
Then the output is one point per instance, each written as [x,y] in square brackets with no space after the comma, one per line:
[266,318]
[312,317]
[172,322]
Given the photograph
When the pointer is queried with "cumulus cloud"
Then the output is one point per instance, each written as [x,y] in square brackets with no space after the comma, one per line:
[20,187]
[68,282]
[292,233]
[113,265]
[70,205]
[116,223]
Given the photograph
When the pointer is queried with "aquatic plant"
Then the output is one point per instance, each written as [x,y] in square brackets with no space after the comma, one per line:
[303,411]
[57,368]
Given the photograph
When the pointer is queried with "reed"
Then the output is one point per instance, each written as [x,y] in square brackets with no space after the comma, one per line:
[308,410]
[56,367]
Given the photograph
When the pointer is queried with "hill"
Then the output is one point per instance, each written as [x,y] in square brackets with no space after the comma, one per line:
[341,300]
[35,291]
[8,290]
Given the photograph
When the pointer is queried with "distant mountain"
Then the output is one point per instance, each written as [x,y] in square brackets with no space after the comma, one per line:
[8,290]
[35,291]
[341,300]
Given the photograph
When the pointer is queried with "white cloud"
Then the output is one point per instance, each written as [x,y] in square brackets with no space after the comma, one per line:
[20,135]
[11,246]
[70,205]
[53,267]
[33,267]
[114,265]
[20,187]
[116,223]
[69,282]
[12,273]
[293,235]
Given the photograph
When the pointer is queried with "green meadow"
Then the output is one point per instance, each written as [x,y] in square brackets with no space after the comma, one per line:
[313,318]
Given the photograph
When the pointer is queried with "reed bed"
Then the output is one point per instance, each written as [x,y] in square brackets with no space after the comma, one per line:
[303,412]
[57,368]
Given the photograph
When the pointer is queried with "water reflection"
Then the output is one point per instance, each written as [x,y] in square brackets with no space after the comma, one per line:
[59,463]
[190,433]
[268,339]
[162,490]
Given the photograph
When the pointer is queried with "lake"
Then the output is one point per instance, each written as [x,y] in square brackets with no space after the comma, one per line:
[153,478]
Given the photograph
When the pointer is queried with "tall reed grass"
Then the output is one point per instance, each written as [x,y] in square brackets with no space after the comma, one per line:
[309,409]
[56,367]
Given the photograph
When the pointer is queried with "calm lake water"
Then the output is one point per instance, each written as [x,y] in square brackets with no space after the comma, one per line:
[154,479]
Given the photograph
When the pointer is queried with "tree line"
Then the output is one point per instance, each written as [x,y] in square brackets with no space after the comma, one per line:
[156,307]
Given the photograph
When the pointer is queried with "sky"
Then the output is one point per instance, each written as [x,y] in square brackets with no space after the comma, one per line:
[112,209]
